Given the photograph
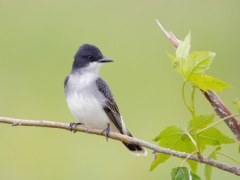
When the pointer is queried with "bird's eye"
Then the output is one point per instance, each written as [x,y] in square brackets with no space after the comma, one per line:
[90,57]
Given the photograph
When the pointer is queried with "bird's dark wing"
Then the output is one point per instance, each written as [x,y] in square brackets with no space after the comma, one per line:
[65,81]
[110,107]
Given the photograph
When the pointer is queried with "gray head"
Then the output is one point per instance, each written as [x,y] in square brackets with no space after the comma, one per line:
[88,55]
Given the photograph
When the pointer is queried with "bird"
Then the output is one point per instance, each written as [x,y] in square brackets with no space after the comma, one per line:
[90,99]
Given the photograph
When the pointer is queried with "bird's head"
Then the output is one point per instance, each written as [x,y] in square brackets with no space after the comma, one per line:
[90,58]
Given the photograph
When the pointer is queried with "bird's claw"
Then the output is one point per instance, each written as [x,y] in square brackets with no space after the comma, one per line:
[107,131]
[73,125]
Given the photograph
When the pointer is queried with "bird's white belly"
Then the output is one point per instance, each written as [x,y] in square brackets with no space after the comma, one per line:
[88,111]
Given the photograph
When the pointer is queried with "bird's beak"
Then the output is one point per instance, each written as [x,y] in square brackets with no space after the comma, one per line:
[105,60]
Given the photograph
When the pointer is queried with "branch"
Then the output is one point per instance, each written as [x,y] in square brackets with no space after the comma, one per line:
[221,110]
[123,138]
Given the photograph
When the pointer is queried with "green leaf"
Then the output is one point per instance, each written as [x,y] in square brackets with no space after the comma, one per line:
[205,82]
[193,66]
[171,57]
[174,61]
[184,47]
[237,104]
[169,133]
[194,63]
[198,63]
[208,168]
[208,172]
[174,138]
[200,122]
[183,173]
[161,158]
[182,52]
[213,136]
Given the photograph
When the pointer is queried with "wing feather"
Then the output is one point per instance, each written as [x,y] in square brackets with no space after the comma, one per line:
[110,107]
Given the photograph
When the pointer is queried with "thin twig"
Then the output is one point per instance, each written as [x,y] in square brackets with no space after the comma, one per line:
[123,138]
[169,35]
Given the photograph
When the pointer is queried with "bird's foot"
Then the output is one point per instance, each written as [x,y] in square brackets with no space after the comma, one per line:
[107,131]
[73,125]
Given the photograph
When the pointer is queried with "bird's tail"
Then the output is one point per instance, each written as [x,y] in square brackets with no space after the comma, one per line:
[135,149]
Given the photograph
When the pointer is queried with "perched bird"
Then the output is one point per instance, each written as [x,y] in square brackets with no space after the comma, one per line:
[89,98]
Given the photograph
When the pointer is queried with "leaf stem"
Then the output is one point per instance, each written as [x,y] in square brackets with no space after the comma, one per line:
[191,108]
[192,101]
[183,95]
[194,121]
[187,158]
[191,138]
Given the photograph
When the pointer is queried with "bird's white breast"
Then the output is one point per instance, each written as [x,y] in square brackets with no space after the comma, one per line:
[85,102]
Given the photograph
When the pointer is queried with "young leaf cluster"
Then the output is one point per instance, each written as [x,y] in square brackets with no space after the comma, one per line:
[192,67]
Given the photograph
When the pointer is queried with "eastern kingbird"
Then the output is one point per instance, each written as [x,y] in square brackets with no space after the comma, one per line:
[89,98]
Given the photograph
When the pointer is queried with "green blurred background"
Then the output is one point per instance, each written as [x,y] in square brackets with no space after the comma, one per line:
[38,40]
